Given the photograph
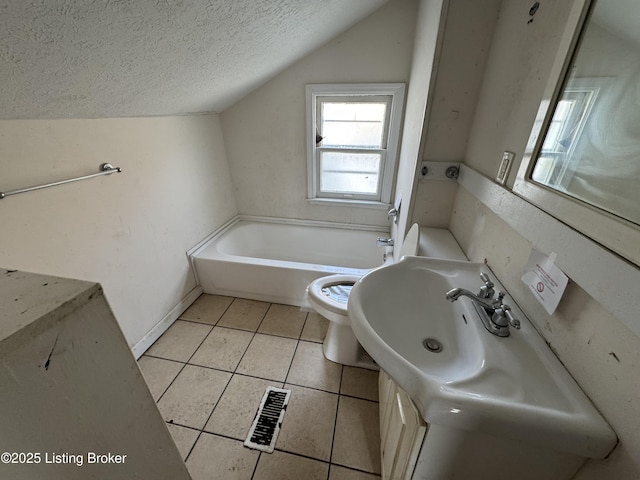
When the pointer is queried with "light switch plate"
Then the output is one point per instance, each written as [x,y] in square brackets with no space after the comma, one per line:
[505,166]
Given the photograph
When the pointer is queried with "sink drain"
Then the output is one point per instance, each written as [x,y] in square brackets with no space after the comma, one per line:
[432,345]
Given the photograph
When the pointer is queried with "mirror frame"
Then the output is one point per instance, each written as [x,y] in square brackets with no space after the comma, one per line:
[614,233]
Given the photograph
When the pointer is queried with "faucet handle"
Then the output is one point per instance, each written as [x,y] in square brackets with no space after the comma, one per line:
[486,291]
[513,321]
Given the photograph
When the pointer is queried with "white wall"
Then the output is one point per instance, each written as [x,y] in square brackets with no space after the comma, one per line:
[265,132]
[430,16]
[127,231]
[465,44]
[596,347]
[516,72]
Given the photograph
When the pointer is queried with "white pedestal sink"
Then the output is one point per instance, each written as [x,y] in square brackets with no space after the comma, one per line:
[512,389]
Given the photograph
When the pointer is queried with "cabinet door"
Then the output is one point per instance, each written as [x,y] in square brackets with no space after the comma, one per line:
[402,430]
[387,391]
[413,432]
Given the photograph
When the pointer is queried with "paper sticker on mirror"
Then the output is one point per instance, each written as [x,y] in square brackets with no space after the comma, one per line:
[546,281]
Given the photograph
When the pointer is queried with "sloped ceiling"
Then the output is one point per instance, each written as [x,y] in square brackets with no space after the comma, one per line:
[120,58]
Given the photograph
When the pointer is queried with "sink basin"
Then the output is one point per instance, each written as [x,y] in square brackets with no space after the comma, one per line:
[512,387]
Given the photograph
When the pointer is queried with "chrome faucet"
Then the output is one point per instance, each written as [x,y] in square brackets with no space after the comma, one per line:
[495,315]
[456,293]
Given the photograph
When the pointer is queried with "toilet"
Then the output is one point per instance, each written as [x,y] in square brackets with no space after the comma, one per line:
[329,296]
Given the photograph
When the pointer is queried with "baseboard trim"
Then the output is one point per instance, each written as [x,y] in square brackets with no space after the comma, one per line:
[139,348]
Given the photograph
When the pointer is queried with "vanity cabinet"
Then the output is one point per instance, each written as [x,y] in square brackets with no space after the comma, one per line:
[402,430]
[414,449]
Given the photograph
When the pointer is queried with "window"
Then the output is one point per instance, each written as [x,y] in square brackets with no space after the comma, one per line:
[352,146]
[556,162]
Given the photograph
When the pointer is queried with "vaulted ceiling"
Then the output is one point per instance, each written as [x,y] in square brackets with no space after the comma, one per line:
[119,58]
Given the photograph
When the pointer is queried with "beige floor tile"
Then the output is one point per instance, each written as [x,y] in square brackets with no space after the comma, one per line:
[244,314]
[222,349]
[283,320]
[315,328]
[310,368]
[360,382]
[237,408]
[284,466]
[218,458]
[340,473]
[207,308]
[307,428]
[357,438]
[179,341]
[158,373]
[268,357]
[183,437]
[192,396]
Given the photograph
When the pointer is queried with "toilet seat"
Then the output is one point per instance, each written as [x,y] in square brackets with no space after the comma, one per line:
[334,309]
[340,344]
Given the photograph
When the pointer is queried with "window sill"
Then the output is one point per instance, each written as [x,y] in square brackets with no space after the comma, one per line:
[339,202]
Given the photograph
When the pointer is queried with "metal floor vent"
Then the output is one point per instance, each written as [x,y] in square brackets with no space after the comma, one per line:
[266,426]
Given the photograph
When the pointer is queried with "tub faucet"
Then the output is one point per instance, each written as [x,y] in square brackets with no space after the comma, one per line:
[384,242]
[495,315]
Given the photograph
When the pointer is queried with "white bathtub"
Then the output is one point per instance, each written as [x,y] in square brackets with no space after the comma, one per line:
[275,261]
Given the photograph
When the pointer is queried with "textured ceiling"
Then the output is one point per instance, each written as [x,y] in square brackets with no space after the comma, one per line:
[118,58]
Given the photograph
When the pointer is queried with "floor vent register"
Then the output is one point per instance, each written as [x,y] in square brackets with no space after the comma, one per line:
[266,426]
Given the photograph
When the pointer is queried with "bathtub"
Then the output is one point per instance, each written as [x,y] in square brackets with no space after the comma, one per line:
[274,261]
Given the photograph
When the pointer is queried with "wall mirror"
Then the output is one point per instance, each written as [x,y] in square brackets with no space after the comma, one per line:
[582,164]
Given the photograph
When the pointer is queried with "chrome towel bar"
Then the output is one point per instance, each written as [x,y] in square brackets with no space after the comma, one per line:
[105,169]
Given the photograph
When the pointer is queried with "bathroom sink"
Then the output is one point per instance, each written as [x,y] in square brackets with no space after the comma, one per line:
[461,376]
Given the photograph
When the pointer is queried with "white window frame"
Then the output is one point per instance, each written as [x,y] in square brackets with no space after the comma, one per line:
[586,90]
[389,158]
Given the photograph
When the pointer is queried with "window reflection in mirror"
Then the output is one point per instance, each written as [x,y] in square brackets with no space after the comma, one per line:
[591,150]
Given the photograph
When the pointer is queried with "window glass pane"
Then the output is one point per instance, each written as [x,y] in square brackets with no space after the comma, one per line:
[350,173]
[353,124]
[556,139]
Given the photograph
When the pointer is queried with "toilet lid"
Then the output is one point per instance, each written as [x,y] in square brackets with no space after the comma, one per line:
[338,292]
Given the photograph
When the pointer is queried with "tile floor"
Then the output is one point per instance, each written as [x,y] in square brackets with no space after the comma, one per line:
[209,371]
